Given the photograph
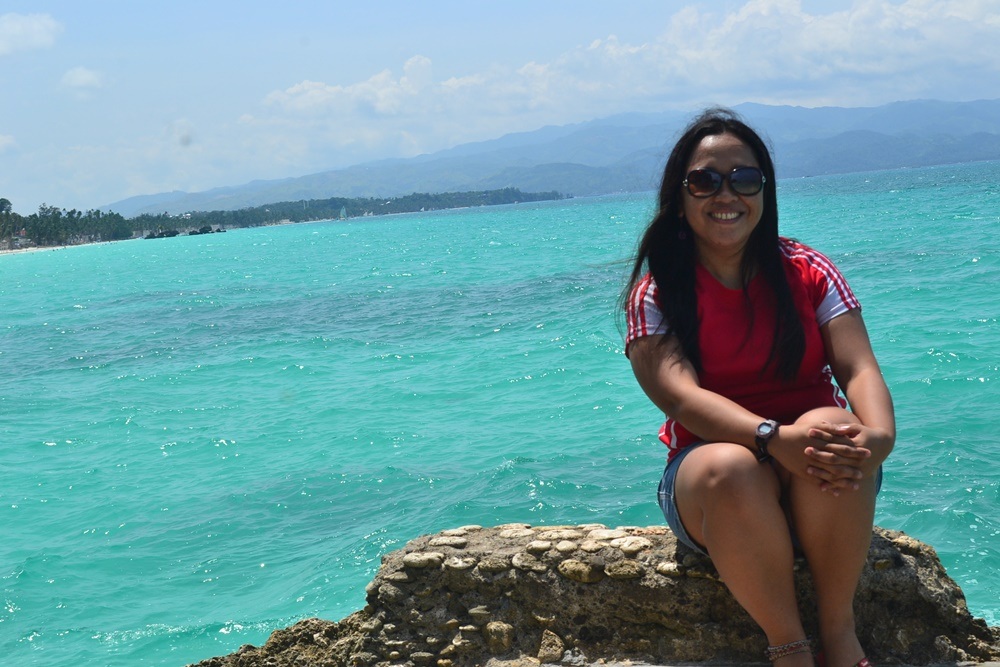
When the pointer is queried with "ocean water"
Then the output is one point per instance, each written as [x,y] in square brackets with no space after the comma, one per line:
[207,438]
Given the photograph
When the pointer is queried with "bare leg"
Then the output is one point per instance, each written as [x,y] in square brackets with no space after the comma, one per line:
[732,504]
[835,534]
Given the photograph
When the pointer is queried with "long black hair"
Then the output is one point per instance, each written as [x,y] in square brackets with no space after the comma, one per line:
[667,248]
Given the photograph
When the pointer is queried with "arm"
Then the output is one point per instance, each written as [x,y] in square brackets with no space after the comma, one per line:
[857,372]
[672,384]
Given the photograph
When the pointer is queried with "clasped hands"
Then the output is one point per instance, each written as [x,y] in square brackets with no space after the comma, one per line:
[837,455]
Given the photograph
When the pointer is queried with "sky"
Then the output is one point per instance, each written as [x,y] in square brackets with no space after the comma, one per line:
[107,99]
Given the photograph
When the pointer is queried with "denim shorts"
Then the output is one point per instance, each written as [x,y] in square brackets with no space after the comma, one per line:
[665,496]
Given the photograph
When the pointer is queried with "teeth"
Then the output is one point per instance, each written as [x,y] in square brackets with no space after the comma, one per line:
[725,216]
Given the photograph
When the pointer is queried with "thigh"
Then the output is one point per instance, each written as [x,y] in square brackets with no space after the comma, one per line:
[717,474]
[667,498]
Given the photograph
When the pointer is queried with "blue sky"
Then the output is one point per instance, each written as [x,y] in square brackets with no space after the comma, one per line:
[107,99]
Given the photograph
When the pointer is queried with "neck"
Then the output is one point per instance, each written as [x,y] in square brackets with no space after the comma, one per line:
[726,269]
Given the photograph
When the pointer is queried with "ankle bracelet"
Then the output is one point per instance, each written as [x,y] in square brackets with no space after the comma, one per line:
[773,653]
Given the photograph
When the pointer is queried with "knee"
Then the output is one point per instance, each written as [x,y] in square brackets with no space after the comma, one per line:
[732,473]
[831,414]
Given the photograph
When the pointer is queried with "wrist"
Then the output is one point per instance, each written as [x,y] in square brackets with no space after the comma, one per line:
[765,432]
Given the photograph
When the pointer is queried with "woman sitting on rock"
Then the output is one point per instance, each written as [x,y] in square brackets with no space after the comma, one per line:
[737,334]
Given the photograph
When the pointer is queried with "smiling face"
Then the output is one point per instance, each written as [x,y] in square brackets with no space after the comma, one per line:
[723,222]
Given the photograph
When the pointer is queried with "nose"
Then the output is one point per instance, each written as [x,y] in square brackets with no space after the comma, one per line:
[726,190]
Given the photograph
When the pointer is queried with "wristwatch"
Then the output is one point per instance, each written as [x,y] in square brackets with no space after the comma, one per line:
[765,432]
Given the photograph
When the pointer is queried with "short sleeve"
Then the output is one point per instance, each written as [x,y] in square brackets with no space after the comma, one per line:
[642,312]
[828,289]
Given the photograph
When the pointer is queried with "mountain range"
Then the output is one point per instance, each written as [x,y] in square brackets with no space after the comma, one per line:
[626,153]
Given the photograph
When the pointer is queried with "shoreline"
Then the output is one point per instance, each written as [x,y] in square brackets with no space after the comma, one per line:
[21,251]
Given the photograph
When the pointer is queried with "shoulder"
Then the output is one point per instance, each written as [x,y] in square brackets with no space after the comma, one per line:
[642,310]
[643,296]
[645,284]
[808,262]
[827,288]
[801,255]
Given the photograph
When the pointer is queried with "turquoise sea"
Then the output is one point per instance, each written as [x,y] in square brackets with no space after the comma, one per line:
[207,438]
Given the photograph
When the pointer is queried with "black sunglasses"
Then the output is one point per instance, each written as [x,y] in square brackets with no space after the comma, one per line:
[746,181]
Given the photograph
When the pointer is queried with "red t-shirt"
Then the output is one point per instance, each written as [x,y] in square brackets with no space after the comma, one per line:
[734,352]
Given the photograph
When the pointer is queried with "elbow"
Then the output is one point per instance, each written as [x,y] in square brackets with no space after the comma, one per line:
[675,408]
[883,444]
[670,404]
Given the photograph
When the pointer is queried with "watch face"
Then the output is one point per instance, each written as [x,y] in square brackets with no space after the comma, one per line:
[765,430]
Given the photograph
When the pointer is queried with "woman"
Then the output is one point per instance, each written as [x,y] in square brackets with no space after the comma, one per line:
[734,332]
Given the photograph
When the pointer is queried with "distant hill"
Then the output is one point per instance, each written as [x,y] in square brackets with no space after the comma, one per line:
[626,152]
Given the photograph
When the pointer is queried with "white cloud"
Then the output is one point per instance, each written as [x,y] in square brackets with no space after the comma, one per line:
[83,78]
[380,95]
[766,50]
[770,51]
[774,51]
[877,51]
[23,32]
[6,142]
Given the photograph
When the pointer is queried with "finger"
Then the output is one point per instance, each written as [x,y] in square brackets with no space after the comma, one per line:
[851,452]
[826,487]
[835,486]
[835,463]
[837,454]
[827,436]
[840,475]
[849,430]
[824,474]
[834,490]
[820,455]
[847,427]
[846,449]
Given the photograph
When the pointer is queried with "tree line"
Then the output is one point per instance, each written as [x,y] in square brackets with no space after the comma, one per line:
[53,226]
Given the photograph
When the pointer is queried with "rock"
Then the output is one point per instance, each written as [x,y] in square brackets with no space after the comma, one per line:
[390,593]
[499,637]
[423,559]
[631,545]
[624,569]
[456,563]
[592,546]
[606,534]
[618,595]
[585,573]
[538,546]
[561,534]
[551,648]
[493,564]
[525,561]
[480,614]
[454,541]
[669,569]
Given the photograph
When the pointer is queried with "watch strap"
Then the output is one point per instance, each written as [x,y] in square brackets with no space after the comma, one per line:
[765,431]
